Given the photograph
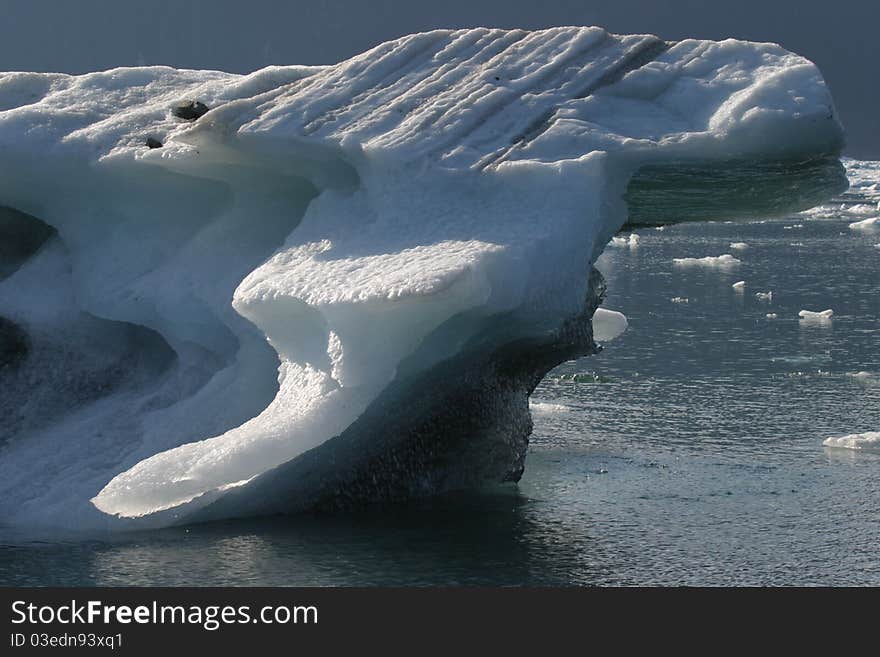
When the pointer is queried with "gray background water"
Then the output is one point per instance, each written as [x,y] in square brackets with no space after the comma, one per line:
[688,452]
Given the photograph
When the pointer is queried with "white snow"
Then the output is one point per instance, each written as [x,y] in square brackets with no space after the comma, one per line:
[301,240]
[712,262]
[869,440]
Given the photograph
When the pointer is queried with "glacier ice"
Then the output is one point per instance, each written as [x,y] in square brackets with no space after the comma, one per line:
[340,284]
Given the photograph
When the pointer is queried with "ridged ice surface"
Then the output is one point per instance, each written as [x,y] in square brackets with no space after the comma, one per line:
[318,226]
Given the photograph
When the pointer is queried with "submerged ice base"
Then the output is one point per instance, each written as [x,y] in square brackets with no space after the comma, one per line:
[340,284]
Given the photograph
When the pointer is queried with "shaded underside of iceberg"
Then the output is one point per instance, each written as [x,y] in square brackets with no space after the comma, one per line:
[340,284]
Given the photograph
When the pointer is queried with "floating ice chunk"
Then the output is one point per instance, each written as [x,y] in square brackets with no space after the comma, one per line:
[620,241]
[660,228]
[771,315]
[739,286]
[764,296]
[861,208]
[714,262]
[871,223]
[822,314]
[608,324]
[739,246]
[809,317]
[680,300]
[877,246]
[546,408]
[869,440]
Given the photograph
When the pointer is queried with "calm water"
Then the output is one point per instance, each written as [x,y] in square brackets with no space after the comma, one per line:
[688,452]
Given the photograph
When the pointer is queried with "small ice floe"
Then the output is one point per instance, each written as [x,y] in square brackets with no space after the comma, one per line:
[813,317]
[771,315]
[659,227]
[877,246]
[739,286]
[546,408]
[793,226]
[632,241]
[739,246]
[872,223]
[869,440]
[867,379]
[680,300]
[764,296]
[716,262]
[586,377]
[608,324]
[861,208]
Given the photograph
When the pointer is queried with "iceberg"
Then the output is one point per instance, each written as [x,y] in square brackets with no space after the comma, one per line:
[322,287]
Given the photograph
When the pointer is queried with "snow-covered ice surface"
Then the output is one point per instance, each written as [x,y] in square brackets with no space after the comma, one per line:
[220,325]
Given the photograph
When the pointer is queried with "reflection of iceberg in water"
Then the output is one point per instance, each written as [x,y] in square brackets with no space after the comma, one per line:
[406,239]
